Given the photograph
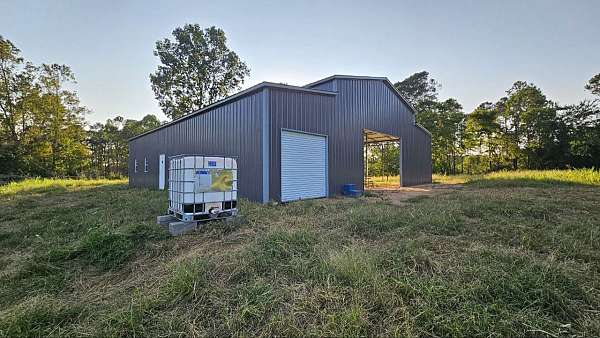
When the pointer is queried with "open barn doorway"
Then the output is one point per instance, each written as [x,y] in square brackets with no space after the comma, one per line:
[381,160]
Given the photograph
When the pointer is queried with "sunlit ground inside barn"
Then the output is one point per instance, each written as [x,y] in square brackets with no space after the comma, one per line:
[381,160]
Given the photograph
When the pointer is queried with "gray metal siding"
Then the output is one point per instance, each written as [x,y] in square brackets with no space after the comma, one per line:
[327,85]
[233,129]
[294,110]
[377,107]
[237,128]
[359,104]
[417,160]
[371,104]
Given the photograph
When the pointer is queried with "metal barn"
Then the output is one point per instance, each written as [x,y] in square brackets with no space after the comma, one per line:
[292,142]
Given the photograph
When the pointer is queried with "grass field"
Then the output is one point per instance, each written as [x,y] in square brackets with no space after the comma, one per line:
[508,254]
[385,181]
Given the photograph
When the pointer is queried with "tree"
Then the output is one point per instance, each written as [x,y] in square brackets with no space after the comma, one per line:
[444,120]
[520,120]
[133,128]
[383,159]
[63,120]
[593,85]
[17,92]
[108,143]
[419,90]
[521,130]
[482,132]
[197,68]
[42,122]
[583,123]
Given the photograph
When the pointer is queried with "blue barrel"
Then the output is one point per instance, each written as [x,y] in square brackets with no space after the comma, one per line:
[348,189]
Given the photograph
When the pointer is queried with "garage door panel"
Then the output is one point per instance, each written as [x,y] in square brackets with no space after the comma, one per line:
[303,166]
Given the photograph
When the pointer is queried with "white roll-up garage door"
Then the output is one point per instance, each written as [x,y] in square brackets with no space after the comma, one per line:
[303,166]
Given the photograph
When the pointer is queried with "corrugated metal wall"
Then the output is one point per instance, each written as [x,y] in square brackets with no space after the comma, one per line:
[294,110]
[417,159]
[370,104]
[327,85]
[233,129]
[359,104]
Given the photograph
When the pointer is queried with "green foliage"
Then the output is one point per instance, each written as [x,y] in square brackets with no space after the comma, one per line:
[109,146]
[418,89]
[524,130]
[482,133]
[197,68]
[583,127]
[42,121]
[383,159]
[445,121]
[527,123]
[593,85]
[42,124]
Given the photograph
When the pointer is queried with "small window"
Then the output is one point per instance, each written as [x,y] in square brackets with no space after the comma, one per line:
[135,166]
[145,165]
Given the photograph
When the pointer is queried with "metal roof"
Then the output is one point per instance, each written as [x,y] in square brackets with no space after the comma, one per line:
[376,137]
[235,97]
[305,88]
[352,77]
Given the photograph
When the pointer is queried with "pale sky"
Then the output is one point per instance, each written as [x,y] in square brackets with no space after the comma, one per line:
[475,49]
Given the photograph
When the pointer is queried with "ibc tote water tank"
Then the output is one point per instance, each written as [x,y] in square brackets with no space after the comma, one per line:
[202,187]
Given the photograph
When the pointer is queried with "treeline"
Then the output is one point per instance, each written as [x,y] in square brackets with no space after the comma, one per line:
[108,144]
[522,130]
[43,131]
[42,124]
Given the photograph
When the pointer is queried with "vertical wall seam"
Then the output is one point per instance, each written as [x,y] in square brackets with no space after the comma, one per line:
[265,145]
